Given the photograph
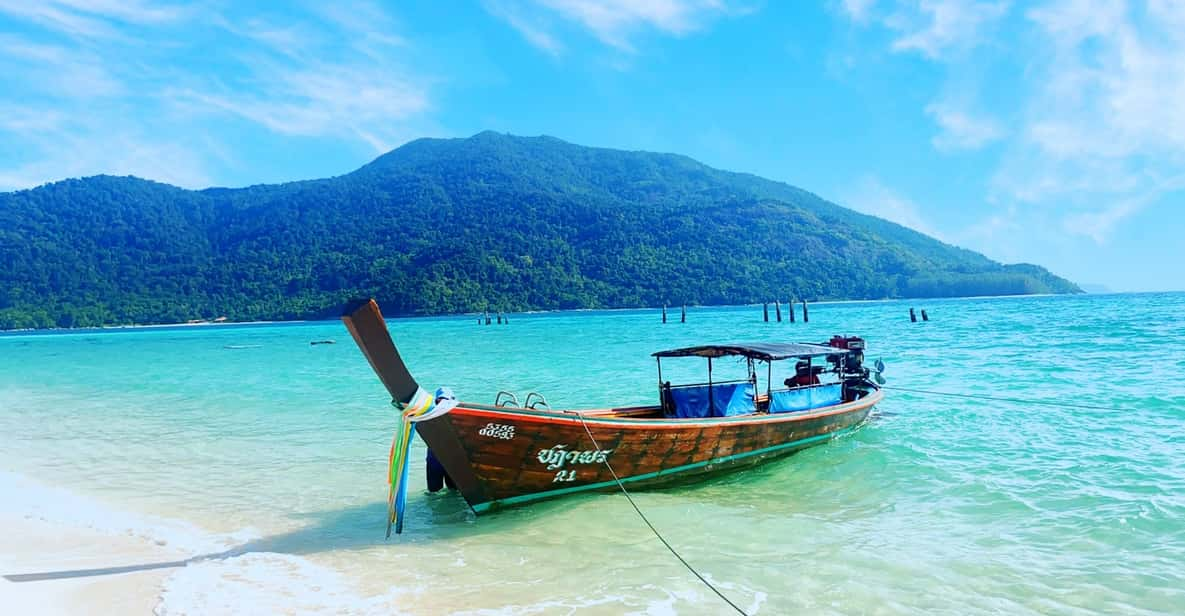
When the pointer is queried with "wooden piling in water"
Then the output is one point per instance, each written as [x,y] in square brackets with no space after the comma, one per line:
[778,309]
[765,311]
[790,305]
[499,318]
[806,318]
[925,317]
[913,317]
[683,314]
[664,313]
[487,318]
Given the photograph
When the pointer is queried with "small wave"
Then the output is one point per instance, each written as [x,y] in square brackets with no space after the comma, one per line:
[30,499]
[219,578]
[267,583]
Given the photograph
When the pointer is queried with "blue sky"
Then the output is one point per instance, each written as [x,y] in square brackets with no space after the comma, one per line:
[1049,132]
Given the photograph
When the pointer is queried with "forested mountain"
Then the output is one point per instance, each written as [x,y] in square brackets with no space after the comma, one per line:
[450,225]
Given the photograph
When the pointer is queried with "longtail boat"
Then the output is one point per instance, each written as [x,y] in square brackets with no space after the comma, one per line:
[509,453]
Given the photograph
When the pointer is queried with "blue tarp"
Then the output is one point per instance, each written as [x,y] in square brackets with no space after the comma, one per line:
[731,399]
[805,398]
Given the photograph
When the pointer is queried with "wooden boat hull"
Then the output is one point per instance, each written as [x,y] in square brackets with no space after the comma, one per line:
[507,456]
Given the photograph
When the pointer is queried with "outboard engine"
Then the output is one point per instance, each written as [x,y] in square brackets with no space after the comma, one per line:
[851,366]
[854,360]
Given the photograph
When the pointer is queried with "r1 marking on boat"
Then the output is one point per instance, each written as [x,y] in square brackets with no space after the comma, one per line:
[557,456]
[569,475]
[493,430]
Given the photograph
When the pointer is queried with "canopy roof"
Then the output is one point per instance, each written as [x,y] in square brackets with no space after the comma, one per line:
[765,351]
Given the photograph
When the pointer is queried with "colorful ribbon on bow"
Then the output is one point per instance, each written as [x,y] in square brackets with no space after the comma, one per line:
[422,407]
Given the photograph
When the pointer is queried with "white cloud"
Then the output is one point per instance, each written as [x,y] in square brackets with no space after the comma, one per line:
[1104,135]
[1000,235]
[1112,87]
[91,18]
[533,27]
[613,22]
[368,25]
[960,129]
[76,147]
[16,119]
[871,196]
[304,81]
[129,11]
[859,11]
[932,27]
[58,19]
[1072,21]
[1091,123]
[1097,224]
[321,100]
[112,86]
[57,71]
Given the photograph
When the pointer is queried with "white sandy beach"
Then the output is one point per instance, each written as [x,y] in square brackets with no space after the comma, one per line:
[175,567]
[48,529]
[34,545]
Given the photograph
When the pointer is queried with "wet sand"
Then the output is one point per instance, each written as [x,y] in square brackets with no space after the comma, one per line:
[33,545]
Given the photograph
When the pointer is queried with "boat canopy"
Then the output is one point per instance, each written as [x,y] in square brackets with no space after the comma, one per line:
[764,351]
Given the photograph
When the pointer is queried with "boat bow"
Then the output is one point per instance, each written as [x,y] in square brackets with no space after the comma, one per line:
[369,329]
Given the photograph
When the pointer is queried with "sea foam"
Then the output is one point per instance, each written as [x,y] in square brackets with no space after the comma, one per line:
[218,579]
[267,583]
[30,499]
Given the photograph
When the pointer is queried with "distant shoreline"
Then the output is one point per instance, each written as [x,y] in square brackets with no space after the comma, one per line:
[481,314]
[149,326]
[186,324]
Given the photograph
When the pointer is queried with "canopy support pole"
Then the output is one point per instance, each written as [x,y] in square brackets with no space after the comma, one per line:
[711,398]
[662,394]
[769,381]
[753,379]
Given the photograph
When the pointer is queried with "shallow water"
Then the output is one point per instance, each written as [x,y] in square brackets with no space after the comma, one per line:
[278,450]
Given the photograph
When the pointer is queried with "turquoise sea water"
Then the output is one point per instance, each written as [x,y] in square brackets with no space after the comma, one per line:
[278,449]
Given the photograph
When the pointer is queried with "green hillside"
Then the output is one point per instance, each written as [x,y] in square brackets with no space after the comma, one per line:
[452,225]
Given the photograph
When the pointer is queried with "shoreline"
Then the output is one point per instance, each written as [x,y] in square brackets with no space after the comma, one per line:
[67,553]
[33,545]
[186,324]
[471,315]
[50,530]
[107,328]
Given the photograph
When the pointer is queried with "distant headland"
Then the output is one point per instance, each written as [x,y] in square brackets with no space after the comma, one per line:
[490,222]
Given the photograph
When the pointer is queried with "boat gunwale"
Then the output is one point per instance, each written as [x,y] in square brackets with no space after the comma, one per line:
[583,416]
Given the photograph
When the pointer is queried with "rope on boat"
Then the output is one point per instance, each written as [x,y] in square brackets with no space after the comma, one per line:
[1000,399]
[654,530]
